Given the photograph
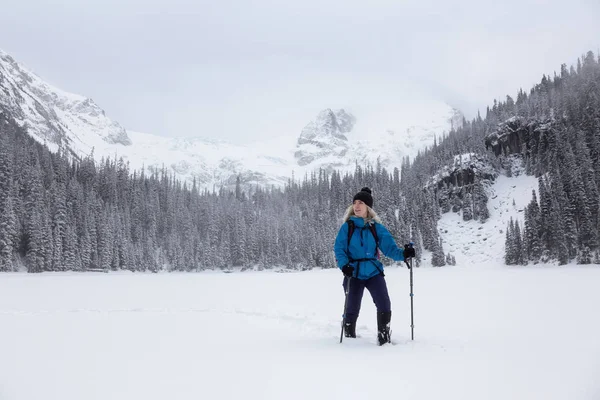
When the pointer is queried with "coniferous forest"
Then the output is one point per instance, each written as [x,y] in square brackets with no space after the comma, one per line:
[60,213]
[556,129]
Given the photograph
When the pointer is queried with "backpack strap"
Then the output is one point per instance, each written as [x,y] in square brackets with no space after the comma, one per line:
[374,232]
[351,227]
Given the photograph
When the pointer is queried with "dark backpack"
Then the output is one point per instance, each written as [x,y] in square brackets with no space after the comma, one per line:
[351,228]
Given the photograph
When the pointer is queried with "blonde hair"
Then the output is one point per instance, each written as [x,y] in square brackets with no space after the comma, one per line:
[371,215]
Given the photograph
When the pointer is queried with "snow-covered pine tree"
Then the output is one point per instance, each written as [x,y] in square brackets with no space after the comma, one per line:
[510,257]
[8,222]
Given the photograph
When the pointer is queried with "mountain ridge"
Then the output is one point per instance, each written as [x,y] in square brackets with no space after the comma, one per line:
[335,139]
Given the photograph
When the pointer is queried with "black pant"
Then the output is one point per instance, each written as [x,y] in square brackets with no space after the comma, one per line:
[378,289]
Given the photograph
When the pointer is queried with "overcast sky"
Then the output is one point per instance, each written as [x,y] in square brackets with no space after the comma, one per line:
[237,70]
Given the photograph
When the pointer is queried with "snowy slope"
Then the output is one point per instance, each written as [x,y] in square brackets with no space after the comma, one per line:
[334,139]
[54,116]
[472,242]
[209,162]
[493,333]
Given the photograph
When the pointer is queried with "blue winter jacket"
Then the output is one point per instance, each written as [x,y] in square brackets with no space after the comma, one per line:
[362,246]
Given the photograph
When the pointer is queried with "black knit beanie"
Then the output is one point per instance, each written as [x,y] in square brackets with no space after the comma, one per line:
[365,196]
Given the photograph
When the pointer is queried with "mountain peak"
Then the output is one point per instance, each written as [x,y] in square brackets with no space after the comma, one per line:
[52,115]
[325,136]
[328,124]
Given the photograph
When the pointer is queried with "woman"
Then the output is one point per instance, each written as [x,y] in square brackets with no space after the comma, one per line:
[358,258]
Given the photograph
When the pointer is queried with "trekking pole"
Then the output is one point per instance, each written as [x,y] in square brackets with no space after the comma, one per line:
[412,320]
[346,289]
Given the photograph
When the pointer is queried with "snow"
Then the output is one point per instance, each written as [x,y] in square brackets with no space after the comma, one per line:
[216,160]
[474,242]
[39,82]
[495,333]
[482,330]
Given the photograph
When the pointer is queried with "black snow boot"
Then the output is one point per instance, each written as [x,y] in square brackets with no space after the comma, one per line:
[383,327]
[350,329]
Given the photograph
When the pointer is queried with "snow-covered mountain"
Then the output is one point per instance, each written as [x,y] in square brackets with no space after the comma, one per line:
[334,139]
[54,116]
[325,136]
[339,139]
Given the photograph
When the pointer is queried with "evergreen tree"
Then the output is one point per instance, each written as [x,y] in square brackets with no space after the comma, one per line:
[8,222]
[510,256]
[33,246]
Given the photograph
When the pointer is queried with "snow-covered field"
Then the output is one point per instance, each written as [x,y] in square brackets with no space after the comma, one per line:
[491,333]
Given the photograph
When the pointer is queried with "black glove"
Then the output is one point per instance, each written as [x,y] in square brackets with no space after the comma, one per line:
[409,251]
[348,271]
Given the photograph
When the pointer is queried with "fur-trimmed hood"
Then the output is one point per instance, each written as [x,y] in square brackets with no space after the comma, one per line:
[371,215]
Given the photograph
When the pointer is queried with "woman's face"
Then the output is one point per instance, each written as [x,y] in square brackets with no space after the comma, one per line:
[360,208]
